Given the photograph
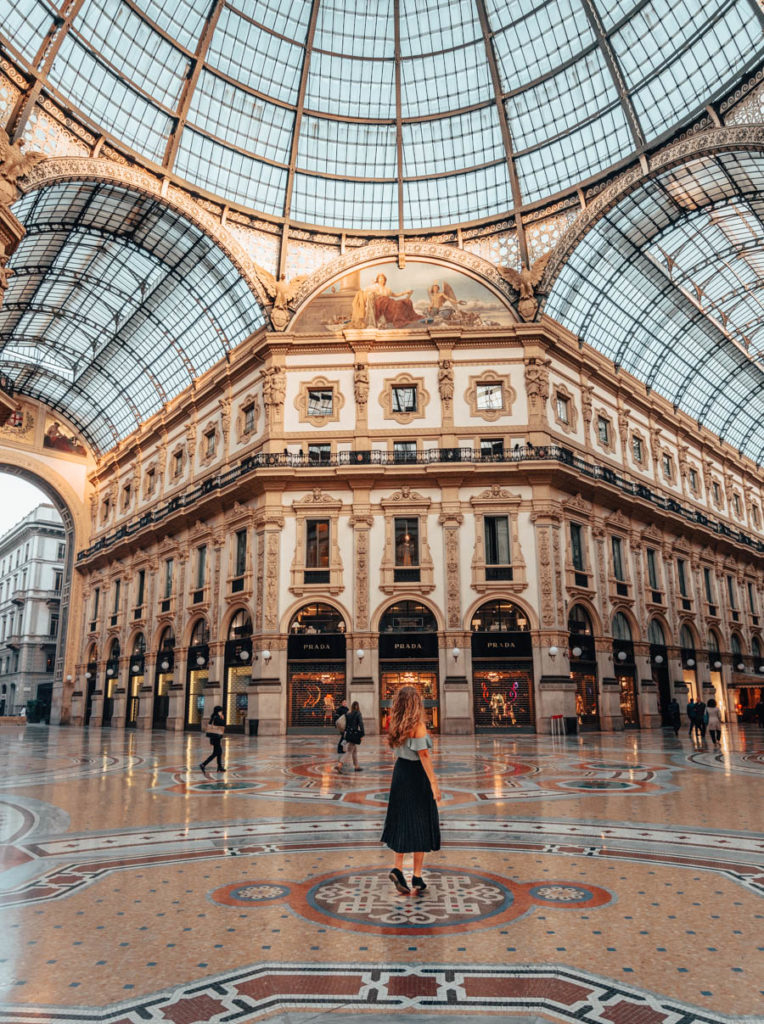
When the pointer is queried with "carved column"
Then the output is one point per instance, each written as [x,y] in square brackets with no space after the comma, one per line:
[268,675]
[360,678]
[537,391]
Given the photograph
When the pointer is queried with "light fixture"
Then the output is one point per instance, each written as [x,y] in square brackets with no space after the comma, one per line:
[740,666]
[109,671]
[554,651]
[165,665]
[717,664]
[690,662]
[360,652]
[658,659]
[267,656]
[455,652]
[200,660]
[760,668]
[576,652]
[68,679]
[622,655]
[244,655]
[136,668]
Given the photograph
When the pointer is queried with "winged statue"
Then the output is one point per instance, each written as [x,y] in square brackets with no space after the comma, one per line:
[280,292]
[525,283]
[14,164]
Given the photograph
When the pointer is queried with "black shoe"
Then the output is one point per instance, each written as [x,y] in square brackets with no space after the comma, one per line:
[418,883]
[203,768]
[396,877]
[221,768]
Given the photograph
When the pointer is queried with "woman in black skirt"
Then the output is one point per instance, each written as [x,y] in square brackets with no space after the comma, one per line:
[412,824]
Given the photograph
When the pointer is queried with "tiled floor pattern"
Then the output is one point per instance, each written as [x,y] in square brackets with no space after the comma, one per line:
[600,878]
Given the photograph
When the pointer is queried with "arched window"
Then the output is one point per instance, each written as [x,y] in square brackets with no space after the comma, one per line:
[735,644]
[200,634]
[499,617]
[317,618]
[713,642]
[685,639]
[92,654]
[579,621]
[139,644]
[408,617]
[655,633]
[114,650]
[167,641]
[241,626]
[621,627]
[755,647]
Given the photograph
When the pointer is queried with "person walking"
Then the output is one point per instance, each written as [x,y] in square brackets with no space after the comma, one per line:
[411,824]
[699,717]
[215,729]
[339,721]
[691,715]
[714,722]
[354,733]
[674,715]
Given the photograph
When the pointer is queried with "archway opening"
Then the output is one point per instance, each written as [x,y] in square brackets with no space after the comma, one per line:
[316,667]
[237,671]
[659,668]
[408,656]
[625,670]
[502,668]
[163,678]
[197,674]
[583,667]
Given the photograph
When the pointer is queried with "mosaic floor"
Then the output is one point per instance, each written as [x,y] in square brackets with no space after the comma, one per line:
[598,878]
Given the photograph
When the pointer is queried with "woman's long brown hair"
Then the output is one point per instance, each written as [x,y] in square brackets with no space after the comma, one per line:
[405,715]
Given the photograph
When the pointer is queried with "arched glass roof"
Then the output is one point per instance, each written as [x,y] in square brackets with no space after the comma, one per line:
[400,114]
[668,285]
[115,305]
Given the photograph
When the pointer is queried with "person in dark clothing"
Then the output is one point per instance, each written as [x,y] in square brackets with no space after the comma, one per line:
[691,715]
[339,711]
[674,716]
[354,733]
[759,712]
[700,719]
[216,722]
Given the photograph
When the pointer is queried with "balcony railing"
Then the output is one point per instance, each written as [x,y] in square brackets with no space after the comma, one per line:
[263,462]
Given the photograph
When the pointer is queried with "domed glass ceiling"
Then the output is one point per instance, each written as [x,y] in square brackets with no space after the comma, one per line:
[399,114]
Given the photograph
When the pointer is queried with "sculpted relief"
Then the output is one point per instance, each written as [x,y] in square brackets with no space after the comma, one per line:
[418,297]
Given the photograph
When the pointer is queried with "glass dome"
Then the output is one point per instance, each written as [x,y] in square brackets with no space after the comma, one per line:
[402,114]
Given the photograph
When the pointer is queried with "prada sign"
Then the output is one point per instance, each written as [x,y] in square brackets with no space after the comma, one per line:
[502,645]
[405,646]
[316,647]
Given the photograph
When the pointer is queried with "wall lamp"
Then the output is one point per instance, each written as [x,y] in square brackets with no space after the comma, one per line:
[554,651]
[658,659]
[577,652]
[266,656]
[455,652]
[361,653]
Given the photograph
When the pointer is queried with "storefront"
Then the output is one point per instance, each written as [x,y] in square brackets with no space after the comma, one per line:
[502,669]
[659,669]
[316,681]
[197,675]
[163,678]
[111,678]
[625,670]
[408,656]
[689,662]
[237,672]
[583,668]
[135,678]
[91,677]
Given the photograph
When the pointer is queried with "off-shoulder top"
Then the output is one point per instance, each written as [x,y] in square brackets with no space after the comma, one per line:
[408,750]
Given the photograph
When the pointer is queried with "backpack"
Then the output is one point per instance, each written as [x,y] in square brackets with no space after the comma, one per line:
[340,723]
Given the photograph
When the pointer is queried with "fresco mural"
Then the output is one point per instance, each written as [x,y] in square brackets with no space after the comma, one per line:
[59,436]
[420,296]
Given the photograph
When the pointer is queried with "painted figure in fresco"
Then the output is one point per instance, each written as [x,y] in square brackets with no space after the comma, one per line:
[442,297]
[379,306]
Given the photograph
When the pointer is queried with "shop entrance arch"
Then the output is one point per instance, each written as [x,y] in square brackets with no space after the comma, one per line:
[408,656]
[502,668]
[316,660]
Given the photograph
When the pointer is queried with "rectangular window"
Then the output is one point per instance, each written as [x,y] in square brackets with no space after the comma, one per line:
[249,418]
[731,591]
[127,493]
[491,447]
[96,601]
[58,580]
[117,595]
[141,588]
[489,396]
[577,547]
[169,566]
[497,548]
[668,469]
[755,515]
[53,628]
[201,565]
[319,453]
[563,409]
[736,503]
[404,399]
[209,443]
[637,448]
[240,556]
[717,493]
[708,582]
[407,549]
[751,598]
[652,570]
[681,571]
[603,430]
[320,401]
[694,481]
[151,478]
[404,451]
[617,549]
[317,551]
[61,551]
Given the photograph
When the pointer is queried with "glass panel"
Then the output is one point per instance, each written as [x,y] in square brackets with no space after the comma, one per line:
[424,681]
[317,545]
[314,692]
[320,403]
[489,396]
[502,697]
[406,542]
[497,540]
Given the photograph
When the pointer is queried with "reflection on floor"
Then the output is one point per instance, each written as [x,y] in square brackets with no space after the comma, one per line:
[599,878]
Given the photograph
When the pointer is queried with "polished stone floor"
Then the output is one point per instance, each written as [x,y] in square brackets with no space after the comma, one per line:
[598,878]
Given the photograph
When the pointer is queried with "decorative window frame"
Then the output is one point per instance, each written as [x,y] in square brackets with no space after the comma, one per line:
[127,496]
[737,504]
[716,493]
[212,427]
[148,480]
[497,501]
[404,380]
[178,457]
[693,489]
[604,415]
[508,395]
[316,505]
[670,477]
[561,391]
[639,436]
[243,433]
[319,384]
[410,504]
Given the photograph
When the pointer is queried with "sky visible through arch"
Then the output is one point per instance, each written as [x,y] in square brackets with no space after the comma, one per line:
[18,498]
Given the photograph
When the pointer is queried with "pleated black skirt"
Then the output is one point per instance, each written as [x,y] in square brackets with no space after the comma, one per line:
[412,824]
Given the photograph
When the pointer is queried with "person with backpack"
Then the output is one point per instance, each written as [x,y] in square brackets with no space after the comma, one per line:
[339,720]
[354,733]
[699,718]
